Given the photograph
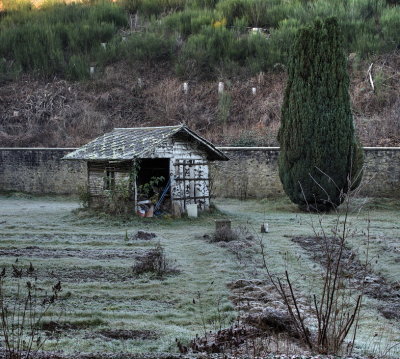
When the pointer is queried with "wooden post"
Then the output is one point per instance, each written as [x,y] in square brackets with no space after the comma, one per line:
[135,189]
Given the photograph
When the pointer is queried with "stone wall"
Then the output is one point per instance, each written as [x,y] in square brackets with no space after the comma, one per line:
[40,171]
[381,176]
[251,172]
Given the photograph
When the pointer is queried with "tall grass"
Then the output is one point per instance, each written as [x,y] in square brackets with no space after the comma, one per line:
[58,39]
[201,38]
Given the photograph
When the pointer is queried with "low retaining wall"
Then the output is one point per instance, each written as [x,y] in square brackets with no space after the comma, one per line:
[40,171]
[252,172]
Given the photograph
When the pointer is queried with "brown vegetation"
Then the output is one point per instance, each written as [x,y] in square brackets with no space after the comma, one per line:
[65,114]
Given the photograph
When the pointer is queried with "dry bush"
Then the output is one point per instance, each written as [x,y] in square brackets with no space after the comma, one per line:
[154,261]
[377,110]
[64,114]
[226,234]
[22,311]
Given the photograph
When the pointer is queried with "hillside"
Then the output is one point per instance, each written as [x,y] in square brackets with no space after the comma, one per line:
[143,50]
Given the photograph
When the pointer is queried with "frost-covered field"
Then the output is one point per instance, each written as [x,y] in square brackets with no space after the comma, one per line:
[108,308]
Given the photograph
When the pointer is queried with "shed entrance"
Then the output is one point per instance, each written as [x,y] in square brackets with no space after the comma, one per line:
[152,178]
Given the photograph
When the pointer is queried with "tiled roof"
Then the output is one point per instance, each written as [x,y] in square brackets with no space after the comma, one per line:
[130,143]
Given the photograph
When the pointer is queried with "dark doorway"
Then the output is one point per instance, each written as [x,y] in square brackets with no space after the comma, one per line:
[153,178]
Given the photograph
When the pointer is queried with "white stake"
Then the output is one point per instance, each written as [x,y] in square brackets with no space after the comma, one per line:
[91,70]
[220,87]
[185,88]
[264,228]
[253,90]
[104,45]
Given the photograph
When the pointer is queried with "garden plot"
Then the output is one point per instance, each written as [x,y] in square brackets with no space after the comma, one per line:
[107,307]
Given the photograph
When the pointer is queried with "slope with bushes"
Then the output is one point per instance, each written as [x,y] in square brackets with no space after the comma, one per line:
[142,51]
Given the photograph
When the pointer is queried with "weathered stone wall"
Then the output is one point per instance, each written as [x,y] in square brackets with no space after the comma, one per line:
[381,176]
[251,172]
[40,171]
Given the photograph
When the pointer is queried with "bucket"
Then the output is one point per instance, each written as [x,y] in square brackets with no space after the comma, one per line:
[191,210]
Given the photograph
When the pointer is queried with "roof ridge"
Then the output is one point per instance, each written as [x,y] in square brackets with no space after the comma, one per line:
[152,127]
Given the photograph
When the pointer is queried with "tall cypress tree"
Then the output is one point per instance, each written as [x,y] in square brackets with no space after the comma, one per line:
[320,155]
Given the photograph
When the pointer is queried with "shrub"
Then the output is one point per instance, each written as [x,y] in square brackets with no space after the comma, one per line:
[17,5]
[224,107]
[281,41]
[84,196]
[148,47]
[77,68]
[225,235]
[212,50]
[149,8]
[257,53]
[390,21]
[118,199]
[154,261]
[232,9]
[187,22]
[50,40]
[319,151]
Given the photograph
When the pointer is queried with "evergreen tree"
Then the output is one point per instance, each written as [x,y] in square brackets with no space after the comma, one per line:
[319,155]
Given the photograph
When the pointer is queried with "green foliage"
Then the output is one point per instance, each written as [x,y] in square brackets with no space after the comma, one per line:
[84,196]
[319,152]
[281,40]
[16,5]
[216,51]
[188,22]
[58,39]
[201,38]
[390,21]
[149,8]
[256,13]
[148,47]
[224,106]
[118,200]
[147,190]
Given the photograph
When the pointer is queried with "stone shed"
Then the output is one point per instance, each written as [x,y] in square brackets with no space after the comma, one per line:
[161,168]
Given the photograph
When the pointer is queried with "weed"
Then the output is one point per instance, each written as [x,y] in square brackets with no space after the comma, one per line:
[22,312]
[154,261]
[226,234]
[84,196]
